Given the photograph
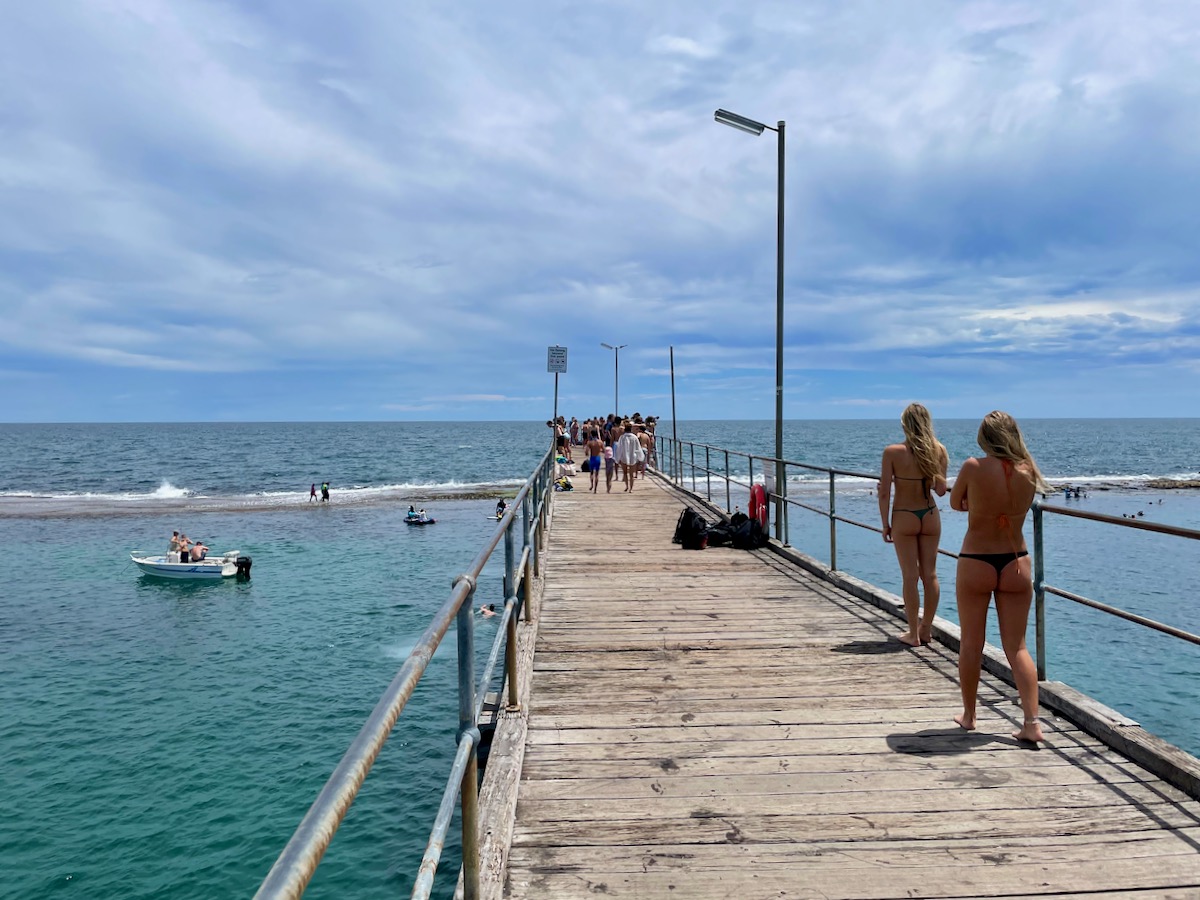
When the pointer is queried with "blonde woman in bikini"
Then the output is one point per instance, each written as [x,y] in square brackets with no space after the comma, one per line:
[996,491]
[917,469]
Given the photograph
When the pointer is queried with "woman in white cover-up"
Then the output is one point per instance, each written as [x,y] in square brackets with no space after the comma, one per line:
[629,455]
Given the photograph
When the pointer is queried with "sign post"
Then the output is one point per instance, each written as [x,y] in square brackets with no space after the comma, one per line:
[556,362]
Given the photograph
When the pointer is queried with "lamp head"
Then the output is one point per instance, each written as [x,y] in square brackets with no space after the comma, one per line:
[741,123]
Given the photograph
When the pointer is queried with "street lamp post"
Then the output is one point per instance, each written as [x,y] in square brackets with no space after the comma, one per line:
[616,374]
[741,123]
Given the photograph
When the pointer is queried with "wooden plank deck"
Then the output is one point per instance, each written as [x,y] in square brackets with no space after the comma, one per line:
[723,724]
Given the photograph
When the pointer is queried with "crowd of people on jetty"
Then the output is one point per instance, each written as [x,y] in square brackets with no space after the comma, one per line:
[996,492]
[608,443]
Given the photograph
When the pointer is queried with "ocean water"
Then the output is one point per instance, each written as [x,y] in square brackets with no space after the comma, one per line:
[163,740]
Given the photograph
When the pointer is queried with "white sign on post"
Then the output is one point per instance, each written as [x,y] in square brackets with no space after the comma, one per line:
[556,359]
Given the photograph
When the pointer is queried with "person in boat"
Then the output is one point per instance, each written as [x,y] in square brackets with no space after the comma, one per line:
[996,491]
[184,548]
[173,549]
[917,470]
[423,516]
[411,514]
[199,551]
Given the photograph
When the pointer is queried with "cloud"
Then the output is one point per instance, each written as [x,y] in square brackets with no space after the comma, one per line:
[368,204]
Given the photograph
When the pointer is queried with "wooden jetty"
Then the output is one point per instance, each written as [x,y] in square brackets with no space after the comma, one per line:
[728,724]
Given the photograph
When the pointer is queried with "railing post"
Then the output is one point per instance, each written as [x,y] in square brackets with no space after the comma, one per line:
[692,455]
[783,502]
[510,563]
[707,475]
[467,730]
[728,508]
[750,479]
[543,502]
[510,643]
[1039,589]
[525,524]
[832,524]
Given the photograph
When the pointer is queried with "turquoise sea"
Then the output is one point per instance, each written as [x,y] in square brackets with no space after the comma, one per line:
[163,740]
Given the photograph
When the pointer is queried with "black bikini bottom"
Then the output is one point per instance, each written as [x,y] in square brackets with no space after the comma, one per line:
[996,560]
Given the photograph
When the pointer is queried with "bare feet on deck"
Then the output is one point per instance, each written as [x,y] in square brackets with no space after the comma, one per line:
[926,635]
[1031,730]
[965,721]
[909,638]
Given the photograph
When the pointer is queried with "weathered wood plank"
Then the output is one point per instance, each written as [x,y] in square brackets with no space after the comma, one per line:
[787,782]
[884,734]
[856,872]
[850,706]
[858,803]
[538,766]
[916,824]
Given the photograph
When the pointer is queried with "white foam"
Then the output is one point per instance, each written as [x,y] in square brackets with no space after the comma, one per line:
[168,491]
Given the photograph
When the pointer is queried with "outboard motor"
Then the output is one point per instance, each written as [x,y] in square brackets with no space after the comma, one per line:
[243,568]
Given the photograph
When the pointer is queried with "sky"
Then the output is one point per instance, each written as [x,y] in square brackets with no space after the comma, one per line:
[288,210]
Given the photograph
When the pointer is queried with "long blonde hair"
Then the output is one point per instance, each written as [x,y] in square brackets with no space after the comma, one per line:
[926,449]
[1000,436]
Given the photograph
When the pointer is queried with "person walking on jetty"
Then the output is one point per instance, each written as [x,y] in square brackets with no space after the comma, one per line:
[996,492]
[628,453]
[645,442]
[610,464]
[917,468]
[595,451]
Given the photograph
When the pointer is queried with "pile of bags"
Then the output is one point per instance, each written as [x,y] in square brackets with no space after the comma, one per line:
[740,532]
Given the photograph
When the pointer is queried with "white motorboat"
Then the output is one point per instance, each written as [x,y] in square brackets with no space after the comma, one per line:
[211,568]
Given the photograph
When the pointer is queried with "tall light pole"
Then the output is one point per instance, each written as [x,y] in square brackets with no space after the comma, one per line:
[741,123]
[616,374]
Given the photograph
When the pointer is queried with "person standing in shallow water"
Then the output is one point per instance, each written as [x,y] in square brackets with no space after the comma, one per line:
[996,492]
[324,491]
[312,492]
[917,468]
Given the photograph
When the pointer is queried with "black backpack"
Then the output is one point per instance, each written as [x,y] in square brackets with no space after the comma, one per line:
[749,536]
[691,531]
[720,535]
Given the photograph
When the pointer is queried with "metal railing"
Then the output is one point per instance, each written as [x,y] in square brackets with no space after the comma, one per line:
[1041,589]
[294,868]
[680,455]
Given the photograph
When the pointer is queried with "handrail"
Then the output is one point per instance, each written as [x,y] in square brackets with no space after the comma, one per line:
[1040,588]
[292,871]
[672,450]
